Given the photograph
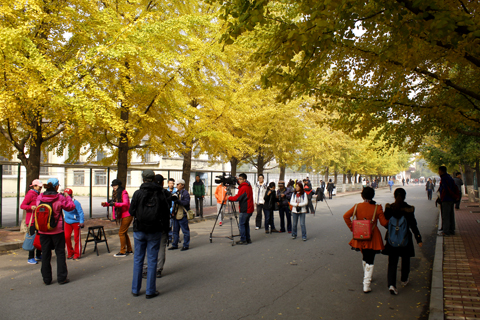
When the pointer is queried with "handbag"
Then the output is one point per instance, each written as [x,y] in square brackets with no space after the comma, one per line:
[363,229]
[36,242]
[28,242]
[190,214]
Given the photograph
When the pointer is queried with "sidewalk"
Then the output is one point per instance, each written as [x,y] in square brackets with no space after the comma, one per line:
[461,265]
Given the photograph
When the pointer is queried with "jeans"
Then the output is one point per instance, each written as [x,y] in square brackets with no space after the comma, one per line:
[302,224]
[429,194]
[149,243]
[448,217]
[390,188]
[285,210]
[268,219]
[244,226]
[258,218]
[392,269]
[199,206]
[125,244]
[181,224]
[50,242]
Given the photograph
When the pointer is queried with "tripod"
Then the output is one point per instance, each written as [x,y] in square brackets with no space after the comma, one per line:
[231,211]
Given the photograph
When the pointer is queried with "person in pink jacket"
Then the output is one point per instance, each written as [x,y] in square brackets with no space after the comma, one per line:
[29,204]
[121,204]
[55,238]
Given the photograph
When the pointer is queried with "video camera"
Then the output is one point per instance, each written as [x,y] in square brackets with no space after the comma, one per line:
[226,180]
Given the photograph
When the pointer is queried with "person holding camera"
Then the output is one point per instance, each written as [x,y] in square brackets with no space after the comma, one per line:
[246,208]
[74,221]
[270,199]
[283,196]
[181,200]
[299,202]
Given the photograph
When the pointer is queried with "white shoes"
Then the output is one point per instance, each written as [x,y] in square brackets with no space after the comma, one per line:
[393,290]
[404,283]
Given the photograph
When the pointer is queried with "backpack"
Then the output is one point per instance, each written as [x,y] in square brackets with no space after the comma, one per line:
[44,217]
[397,232]
[149,213]
[455,193]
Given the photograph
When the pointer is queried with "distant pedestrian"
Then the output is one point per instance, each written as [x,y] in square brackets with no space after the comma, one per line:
[390,183]
[447,199]
[459,182]
[246,208]
[221,196]
[322,185]
[283,196]
[74,221]
[299,202]
[434,182]
[330,187]
[181,205]
[309,193]
[29,204]
[367,210]
[171,188]
[429,189]
[120,203]
[364,183]
[55,238]
[403,182]
[150,208]
[258,197]
[270,200]
[398,210]
[199,193]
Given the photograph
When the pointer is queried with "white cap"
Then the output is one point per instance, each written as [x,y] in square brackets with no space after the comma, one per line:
[181,181]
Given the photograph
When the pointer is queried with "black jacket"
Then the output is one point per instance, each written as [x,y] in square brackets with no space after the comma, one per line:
[409,213]
[270,200]
[148,189]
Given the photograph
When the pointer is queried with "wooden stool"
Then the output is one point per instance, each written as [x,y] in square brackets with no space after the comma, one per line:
[96,237]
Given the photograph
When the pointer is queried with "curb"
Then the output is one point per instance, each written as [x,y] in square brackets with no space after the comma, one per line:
[436,291]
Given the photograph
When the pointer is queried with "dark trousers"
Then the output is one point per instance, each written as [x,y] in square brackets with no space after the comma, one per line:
[310,208]
[392,269]
[330,194]
[269,219]
[50,242]
[244,226]
[369,256]
[31,254]
[199,206]
[457,204]
[258,218]
[448,217]
[429,194]
[285,211]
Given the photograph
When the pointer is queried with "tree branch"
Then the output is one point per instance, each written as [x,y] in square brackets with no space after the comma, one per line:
[138,146]
[108,140]
[55,133]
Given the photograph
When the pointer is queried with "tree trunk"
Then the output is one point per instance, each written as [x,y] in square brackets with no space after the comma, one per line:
[233,164]
[326,174]
[355,178]
[187,168]
[469,182]
[260,164]
[283,168]
[122,161]
[344,176]
[336,176]
[349,176]
[477,172]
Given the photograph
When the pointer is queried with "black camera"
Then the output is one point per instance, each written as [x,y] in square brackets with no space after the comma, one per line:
[175,197]
[299,209]
[226,180]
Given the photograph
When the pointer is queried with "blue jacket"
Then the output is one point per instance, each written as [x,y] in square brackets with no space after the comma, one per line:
[173,191]
[390,182]
[76,215]
[447,188]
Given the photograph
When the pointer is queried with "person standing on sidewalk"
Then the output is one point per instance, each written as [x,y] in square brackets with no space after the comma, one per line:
[447,199]
[181,204]
[309,192]
[171,188]
[269,207]
[74,221]
[150,208]
[120,203]
[29,204]
[199,194]
[284,195]
[55,238]
[245,206]
[400,209]
[459,182]
[429,188]
[330,187]
[258,196]
[299,202]
[221,196]
[403,182]
[368,210]
[390,183]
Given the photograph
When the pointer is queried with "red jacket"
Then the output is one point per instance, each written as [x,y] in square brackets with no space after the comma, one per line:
[244,198]
[29,201]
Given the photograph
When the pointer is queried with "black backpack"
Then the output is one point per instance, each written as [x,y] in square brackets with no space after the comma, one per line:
[148,215]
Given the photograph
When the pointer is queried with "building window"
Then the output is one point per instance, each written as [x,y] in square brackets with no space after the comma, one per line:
[129,178]
[43,159]
[148,156]
[78,178]
[100,178]
[7,169]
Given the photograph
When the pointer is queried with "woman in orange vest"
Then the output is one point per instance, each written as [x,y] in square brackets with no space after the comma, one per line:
[221,195]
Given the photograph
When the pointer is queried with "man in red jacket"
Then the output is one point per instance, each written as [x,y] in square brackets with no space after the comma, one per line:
[246,207]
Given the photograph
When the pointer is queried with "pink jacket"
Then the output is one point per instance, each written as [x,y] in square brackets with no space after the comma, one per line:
[59,202]
[123,206]
[29,201]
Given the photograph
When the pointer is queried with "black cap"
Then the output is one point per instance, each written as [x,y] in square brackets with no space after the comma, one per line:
[148,174]
[116,182]
[159,178]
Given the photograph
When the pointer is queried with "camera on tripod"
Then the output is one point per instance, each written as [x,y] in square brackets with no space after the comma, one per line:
[226,180]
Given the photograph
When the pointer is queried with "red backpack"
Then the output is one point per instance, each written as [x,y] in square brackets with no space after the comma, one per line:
[44,217]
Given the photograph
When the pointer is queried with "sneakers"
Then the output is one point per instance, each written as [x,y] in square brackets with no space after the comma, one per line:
[404,283]
[129,252]
[257,228]
[275,230]
[39,258]
[393,290]
[70,257]
[159,274]
[220,223]
[32,261]
[249,241]
[120,255]
[150,296]
[241,242]
[294,237]
[64,281]
[184,249]
[304,239]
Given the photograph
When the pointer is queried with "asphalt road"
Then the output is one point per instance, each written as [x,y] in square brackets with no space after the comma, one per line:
[275,277]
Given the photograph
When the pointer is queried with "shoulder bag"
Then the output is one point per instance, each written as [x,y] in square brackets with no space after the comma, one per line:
[363,229]
[29,238]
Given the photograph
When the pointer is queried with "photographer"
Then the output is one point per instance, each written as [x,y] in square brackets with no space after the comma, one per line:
[284,195]
[181,200]
[246,208]
[269,207]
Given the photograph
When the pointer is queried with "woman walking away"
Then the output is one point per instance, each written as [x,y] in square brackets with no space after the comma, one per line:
[29,204]
[121,204]
[330,187]
[299,204]
[367,210]
[399,242]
